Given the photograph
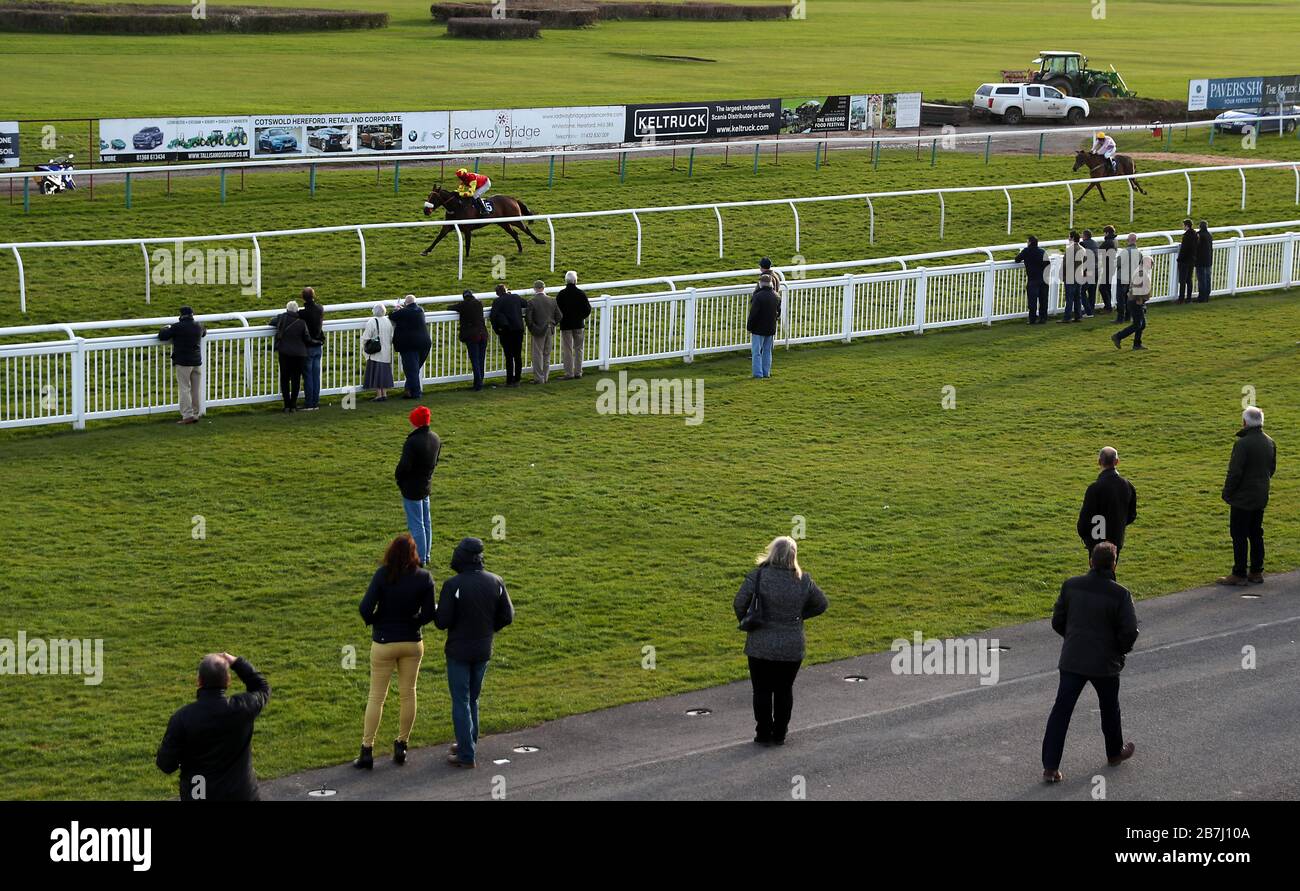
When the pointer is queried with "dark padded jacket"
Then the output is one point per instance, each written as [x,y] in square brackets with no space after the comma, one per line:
[291,335]
[1250,470]
[1113,498]
[396,611]
[1187,248]
[1205,248]
[410,330]
[1095,615]
[472,606]
[507,313]
[764,312]
[574,307]
[186,336]
[472,327]
[414,471]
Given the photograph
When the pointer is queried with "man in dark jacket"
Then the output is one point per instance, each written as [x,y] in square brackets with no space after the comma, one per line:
[472,333]
[414,475]
[1035,261]
[412,341]
[764,313]
[313,316]
[211,739]
[1204,262]
[1186,262]
[292,341]
[574,310]
[472,607]
[1109,505]
[1106,267]
[507,318]
[1095,615]
[1088,291]
[1250,472]
[186,337]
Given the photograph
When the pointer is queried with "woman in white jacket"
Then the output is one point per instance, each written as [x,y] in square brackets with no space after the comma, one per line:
[379,365]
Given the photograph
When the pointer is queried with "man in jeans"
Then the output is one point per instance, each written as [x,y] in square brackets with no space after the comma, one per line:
[1250,472]
[1035,261]
[313,315]
[764,312]
[1134,291]
[472,607]
[1072,277]
[186,337]
[414,474]
[1095,615]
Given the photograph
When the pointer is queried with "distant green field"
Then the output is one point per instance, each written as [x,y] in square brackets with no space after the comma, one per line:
[942,47]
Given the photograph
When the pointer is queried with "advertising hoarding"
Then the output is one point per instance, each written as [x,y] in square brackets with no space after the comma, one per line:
[702,120]
[1261,93]
[8,143]
[525,128]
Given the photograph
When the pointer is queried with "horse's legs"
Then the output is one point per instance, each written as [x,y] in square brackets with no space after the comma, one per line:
[1099,190]
[468,236]
[535,239]
[1092,185]
[441,235]
[510,230]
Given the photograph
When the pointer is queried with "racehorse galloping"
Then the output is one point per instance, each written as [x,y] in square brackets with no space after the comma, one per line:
[459,207]
[1097,169]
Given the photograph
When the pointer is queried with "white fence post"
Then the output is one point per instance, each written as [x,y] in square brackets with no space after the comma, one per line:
[1007,192]
[1189,192]
[848,307]
[636,219]
[688,336]
[717,213]
[1242,171]
[605,323]
[871,214]
[79,385]
[551,226]
[943,209]
[257,267]
[22,283]
[795,211]
[1288,259]
[148,298]
[989,276]
[921,276]
[362,236]
[1234,258]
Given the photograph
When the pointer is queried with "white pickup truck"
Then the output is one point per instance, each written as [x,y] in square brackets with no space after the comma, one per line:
[1015,102]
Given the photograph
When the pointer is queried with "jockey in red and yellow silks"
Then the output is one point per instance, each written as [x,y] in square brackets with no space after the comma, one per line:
[474,186]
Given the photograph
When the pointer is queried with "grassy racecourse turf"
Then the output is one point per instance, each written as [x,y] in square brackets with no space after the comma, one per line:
[621,531]
[943,48]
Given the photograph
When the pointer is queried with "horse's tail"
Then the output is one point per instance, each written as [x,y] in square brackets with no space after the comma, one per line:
[523,212]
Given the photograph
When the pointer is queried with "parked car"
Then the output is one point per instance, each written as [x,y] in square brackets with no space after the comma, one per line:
[237,136]
[119,145]
[1015,102]
[1238,120]
[149,137]
[277,139]
[377,139]
[328,139]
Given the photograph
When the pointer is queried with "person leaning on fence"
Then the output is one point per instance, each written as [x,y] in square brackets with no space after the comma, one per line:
[765,267]
[186,336]
[574,310]
[1186,262]
[313,316]
[472,331]
[507,318]
[1088,291]
[774,642]
[1135,284]
[398,602]
[764,315]
[412,341]
[542,313]
[292,341]
[377,345]
[414,477]
[1204,262]
[1109,505]
[1245,490]
[1106,268]
[1036,264]
[1072,277]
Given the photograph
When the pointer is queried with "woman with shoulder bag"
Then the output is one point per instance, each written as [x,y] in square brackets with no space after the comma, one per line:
[773,601]
[377,344]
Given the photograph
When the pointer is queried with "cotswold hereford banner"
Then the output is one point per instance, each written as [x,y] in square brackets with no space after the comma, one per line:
[703,120]
[364,133]
[173,139]
[524,128]
[8,144]
[1242,92]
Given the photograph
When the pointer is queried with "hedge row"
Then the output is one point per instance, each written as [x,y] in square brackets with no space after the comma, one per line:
[494,29]
[710,12]
[78,18]
[581,13]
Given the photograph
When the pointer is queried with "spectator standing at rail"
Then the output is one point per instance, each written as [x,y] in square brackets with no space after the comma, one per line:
[412,341]
[507,318]
[574,310]
[414,476]
[1072,277]
[472,331]
[398,603]
[472,607]
[1106,268]
[764,316]
[186,336]
[1036,264]
[1088,289]
[1095,615]
[377,345]
[1250,474]
[787,597]
[542,314]
[1135,290]
[210,740]
[1204,262]
[1186,262]
[1109,505]
[292,340]
[313,315]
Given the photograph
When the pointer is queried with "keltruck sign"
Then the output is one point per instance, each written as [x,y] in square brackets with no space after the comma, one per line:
[8,144]
[703,120]
[1242,92]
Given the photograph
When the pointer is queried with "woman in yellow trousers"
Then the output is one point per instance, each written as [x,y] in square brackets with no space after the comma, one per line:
[397,604]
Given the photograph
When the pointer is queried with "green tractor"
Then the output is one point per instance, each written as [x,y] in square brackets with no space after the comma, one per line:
[1069,73]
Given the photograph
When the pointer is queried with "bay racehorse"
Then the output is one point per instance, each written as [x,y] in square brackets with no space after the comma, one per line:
[460,208]
[1098,170]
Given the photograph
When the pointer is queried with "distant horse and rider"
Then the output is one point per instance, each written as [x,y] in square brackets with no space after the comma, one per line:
[1102,163]
[468,202]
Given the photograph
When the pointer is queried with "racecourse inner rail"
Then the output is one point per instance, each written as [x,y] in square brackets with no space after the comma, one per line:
[77,379]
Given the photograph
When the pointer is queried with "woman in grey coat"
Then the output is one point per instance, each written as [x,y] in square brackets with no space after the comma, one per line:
[776,648]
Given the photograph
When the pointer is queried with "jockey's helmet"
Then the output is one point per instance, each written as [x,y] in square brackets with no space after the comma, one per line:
[1101,135]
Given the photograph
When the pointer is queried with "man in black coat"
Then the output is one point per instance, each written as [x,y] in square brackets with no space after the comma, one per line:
[1186,262]
[1106,267]
[1204,262]
[313,316]
[507,319]
[1095,615]
[1035,261]
[414,476]
[1109,505]
[764,313]
[293,340]
[186,336]
[211,739]
[412,341]
[1245,491]
[1088,292]
[472,607]
[574,309]
[472,331]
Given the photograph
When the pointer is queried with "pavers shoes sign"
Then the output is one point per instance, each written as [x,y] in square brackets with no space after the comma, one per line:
[1211,94]
[8,144]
